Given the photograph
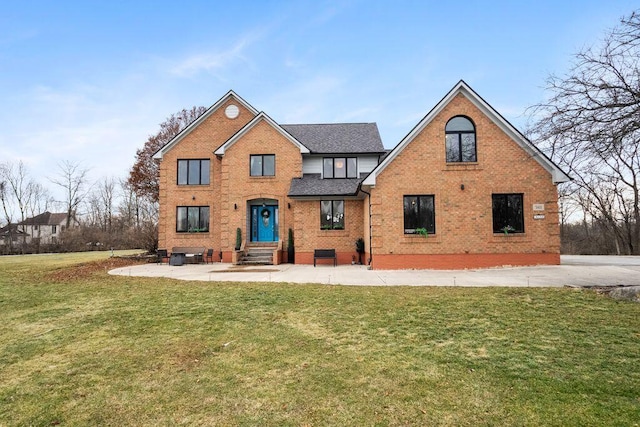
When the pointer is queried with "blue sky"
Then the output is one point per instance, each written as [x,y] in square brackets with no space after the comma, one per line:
[90,81]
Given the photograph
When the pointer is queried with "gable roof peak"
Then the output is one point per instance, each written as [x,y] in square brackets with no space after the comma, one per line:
[194,124]
[261,116]
[557,174]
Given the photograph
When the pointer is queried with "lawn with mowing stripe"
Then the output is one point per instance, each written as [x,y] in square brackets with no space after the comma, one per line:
[79,347]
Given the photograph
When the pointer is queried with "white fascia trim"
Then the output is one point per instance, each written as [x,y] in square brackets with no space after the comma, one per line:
[186,131]
[557,174]
[261,116]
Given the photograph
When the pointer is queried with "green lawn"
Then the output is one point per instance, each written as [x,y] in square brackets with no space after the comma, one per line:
[79,347]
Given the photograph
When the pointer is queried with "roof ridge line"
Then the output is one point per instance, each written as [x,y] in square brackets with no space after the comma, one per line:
[325,124]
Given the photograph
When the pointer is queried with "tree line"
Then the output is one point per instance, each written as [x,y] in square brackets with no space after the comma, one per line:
[103,214]
[590,126]
[108,213]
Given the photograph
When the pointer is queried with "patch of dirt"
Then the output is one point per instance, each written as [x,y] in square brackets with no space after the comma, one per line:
[87,269]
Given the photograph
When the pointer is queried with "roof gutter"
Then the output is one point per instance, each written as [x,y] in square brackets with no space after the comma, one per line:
[370,228]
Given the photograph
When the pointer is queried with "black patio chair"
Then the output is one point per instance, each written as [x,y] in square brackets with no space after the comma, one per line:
[208,258]
[162,256]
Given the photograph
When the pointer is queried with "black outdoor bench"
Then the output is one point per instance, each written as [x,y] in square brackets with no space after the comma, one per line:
[325,254]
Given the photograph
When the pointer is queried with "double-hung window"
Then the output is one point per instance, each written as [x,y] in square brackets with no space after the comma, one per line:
[508,213]
[193,172]
[332,214]
[263,164]
[419,213]
[340,167]
[460,140]
[192,219]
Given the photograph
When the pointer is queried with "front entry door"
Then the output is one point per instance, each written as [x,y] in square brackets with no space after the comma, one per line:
[264,221]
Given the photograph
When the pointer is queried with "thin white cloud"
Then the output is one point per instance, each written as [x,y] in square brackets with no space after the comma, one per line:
[364,114]
[289,62]
[215,61]
[95,126]
[306,101]
[332,10]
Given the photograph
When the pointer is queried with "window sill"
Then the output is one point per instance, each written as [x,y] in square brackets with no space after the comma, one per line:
[512,237]
[416,239]
[462,166]
[333,232]
[189,233]
[262,176]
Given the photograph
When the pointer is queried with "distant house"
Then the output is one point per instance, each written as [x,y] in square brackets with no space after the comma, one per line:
[463,189]
[11,236]
[43,229]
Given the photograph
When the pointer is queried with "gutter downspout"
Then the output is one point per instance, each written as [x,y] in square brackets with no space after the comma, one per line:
[370,229]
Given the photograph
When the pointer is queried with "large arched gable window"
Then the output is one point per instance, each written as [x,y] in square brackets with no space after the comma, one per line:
[460,140]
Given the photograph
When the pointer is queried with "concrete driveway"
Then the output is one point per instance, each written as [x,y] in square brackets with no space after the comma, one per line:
[584,271]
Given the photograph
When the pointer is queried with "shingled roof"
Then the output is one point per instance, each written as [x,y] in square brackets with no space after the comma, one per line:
[338,137]
[312,185]
[46,218]
[11,230]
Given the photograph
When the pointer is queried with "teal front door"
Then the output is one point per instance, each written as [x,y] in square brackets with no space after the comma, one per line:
[264,223]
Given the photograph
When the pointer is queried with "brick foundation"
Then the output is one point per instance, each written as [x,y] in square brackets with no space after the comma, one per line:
[461,261]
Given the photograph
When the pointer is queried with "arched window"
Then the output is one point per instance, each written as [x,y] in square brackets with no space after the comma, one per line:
[460,140]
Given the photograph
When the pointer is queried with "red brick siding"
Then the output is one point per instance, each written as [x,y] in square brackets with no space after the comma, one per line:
[199,144]
[458,261]
[463,217]
[309,235]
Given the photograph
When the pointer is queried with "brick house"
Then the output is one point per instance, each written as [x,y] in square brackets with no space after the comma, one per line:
[463,189]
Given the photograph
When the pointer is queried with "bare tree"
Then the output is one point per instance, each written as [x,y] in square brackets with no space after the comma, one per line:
[72,178]
[127,207]
[139,216]
[16,187]
[17,191]
[4,200]
[40,199]
[591,127]
[101,204]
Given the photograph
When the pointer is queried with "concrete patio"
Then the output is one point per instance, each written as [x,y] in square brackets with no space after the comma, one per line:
[583,271]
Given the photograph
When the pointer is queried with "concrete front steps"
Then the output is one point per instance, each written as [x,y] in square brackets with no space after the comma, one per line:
[258,254]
